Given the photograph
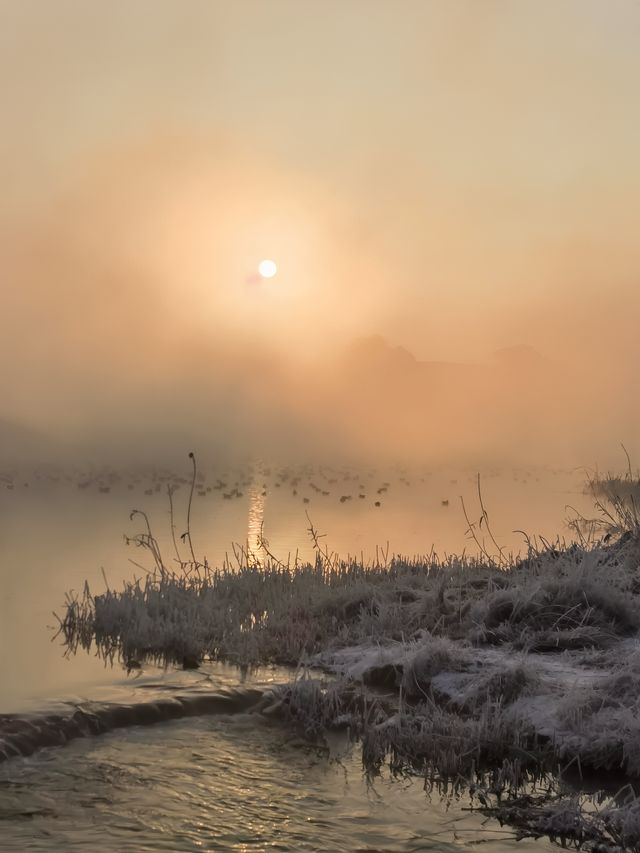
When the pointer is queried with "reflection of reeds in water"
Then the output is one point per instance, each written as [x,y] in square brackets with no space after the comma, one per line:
[255,521]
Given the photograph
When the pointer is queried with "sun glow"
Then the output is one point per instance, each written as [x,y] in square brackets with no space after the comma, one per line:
[267,268]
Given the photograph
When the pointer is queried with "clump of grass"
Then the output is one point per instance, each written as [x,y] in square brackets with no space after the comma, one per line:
[573,610]
[432,656]
[570,819]
[502,686]
[621,820]
[446,745]
[617,502]
[316,706]
[602,721]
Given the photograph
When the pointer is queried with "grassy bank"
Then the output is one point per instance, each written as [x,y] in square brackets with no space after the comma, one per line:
[498,673]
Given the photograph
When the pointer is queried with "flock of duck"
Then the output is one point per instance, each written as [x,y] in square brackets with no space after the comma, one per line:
[304,482]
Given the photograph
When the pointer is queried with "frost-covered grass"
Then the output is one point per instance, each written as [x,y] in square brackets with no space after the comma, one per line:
[574,821]
[492,671]
[572,598]
[617,502]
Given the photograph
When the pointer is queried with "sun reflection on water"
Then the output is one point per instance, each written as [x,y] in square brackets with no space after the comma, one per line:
[257,500]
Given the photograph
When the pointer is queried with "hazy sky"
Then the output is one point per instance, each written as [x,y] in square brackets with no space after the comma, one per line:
[457,175]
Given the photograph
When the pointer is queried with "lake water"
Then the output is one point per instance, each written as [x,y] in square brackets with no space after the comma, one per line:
[229,781]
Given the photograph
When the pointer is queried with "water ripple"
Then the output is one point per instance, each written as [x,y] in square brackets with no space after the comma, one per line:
[231,783]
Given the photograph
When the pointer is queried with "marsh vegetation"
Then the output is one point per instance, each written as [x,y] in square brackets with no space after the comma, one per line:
[516,677]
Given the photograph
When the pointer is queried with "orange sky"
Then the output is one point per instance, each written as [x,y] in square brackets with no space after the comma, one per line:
[457,176]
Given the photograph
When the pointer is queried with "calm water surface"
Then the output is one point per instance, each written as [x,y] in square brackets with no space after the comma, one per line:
[236,781]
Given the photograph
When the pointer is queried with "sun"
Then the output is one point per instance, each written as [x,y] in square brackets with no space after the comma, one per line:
[267,268]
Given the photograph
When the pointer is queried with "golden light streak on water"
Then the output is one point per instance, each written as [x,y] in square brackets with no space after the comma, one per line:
[257,500]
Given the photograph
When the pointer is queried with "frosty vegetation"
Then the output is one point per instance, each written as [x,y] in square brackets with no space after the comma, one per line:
[518,678]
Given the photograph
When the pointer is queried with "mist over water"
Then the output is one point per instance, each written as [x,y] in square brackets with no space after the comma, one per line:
[450,193]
